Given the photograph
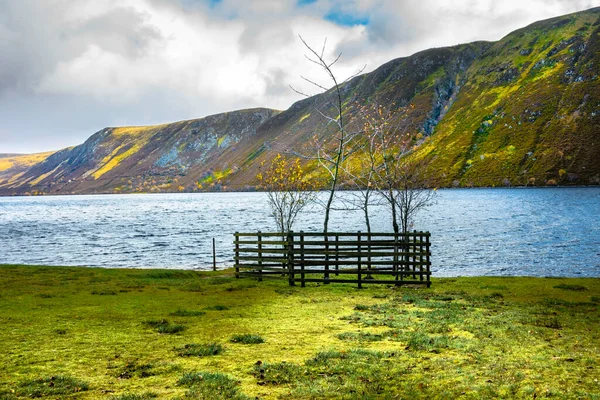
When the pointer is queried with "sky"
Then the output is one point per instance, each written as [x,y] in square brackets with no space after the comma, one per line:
[69,68]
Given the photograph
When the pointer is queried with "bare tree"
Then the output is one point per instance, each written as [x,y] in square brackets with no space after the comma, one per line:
[361,170]
[288,192]
[330,154]
[399,179]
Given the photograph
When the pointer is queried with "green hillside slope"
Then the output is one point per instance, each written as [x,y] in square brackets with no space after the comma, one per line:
[529,113]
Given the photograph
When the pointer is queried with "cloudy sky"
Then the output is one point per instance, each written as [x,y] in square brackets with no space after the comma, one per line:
[68,68]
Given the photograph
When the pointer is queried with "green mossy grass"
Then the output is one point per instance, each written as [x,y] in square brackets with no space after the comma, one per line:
[200,350]
[247,338]
[480,337]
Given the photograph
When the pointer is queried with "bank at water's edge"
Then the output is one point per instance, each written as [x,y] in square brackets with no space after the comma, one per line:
[120,333]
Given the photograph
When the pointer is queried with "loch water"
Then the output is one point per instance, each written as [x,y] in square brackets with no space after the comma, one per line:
[509,232]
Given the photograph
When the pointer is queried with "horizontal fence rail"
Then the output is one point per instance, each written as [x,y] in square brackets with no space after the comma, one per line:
[385,258]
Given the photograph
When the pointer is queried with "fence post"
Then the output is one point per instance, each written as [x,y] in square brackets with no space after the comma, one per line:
[359,259]
[214,255]
[302,283]
[404,251]
[237,254]
[290,257]
[413,250]
[420,256]
[326,274]
[395,258]
[427,253]
[337,255]
[259,256]
[369,259]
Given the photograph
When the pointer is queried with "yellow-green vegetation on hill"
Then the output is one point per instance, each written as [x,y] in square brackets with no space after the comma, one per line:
[524,110]
[13,166]
[109,333]
[529,112]
[117,334]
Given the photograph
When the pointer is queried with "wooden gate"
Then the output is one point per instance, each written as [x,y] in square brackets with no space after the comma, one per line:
[385,258]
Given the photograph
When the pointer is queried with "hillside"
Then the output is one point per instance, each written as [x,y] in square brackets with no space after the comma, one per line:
[171,157]
[13,166]
[524,110]
[529,112]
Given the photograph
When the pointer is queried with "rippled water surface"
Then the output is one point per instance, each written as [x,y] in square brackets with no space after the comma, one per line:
[537,232]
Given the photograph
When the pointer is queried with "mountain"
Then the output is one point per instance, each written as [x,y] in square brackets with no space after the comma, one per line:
[173,157]
[524,110]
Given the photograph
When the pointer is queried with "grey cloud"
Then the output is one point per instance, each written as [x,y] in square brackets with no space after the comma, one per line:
[277,80]
[121,31]
[259,37]
[35,36]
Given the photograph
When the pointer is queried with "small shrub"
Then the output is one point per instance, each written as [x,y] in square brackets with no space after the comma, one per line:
[52,386]
[576,288]
[164,326]
[200,350]
[210,385]
[360,336]
[170,328]
[355,317]
[277,373]
[133,369]
[361,307]
[156,322]
[422,341]
[104,292]
[60,331]
[443,298]
[187,313]
[553,323]
[410,299]
[218,307]
[325,357]
[247,338]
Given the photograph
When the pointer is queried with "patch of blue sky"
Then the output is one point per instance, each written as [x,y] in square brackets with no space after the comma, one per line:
[305,2]
[346,19]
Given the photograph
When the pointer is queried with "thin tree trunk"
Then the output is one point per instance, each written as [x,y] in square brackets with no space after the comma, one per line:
[394,214]
[366,210]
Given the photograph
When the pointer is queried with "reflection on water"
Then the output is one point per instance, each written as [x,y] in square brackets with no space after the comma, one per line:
[536,232]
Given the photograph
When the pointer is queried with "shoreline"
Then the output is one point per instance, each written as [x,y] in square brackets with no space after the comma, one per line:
[231,270]
[254,190]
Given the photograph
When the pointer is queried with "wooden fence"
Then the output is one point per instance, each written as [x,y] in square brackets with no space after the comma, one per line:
[384,258]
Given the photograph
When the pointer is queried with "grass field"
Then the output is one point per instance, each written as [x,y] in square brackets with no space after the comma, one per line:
[69,333]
